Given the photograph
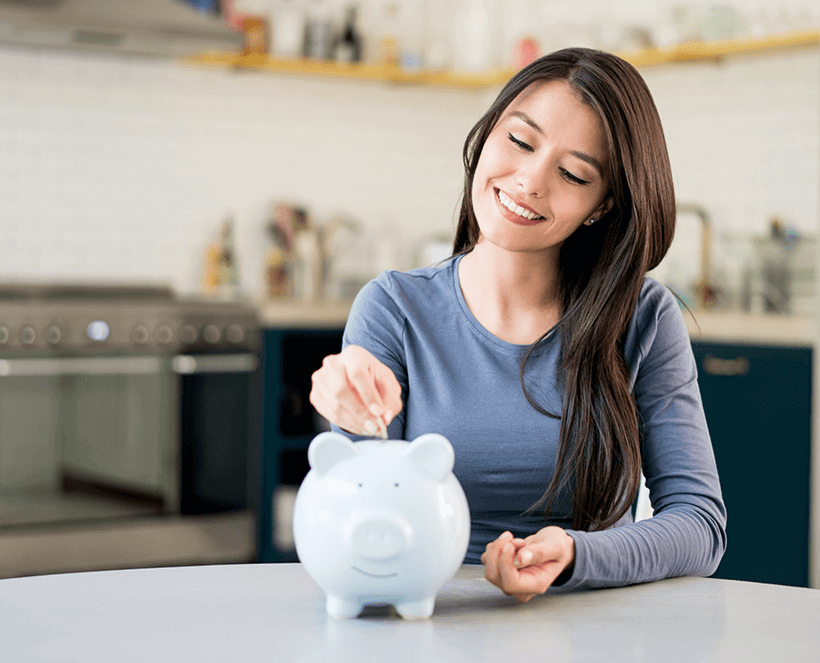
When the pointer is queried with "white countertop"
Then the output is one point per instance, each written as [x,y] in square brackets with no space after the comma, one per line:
[748,329]
[275,612]
[707,326]
[289,313]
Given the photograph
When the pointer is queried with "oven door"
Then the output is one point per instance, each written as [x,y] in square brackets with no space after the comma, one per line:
[220,404]
[98,426]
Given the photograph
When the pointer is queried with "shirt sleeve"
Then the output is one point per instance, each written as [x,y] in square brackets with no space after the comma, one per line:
[687,534]
[377,324]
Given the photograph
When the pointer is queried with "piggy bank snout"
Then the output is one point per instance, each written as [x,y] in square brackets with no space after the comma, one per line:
[380,537]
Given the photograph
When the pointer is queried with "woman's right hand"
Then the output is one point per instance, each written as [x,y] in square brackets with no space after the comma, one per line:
[356,391]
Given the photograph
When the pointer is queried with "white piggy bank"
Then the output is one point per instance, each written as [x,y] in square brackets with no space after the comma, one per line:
[381,522]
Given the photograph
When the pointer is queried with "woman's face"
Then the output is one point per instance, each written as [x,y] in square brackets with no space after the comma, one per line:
[542,171]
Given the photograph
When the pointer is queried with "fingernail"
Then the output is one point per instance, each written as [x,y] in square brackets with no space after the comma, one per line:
[526,557]
[376,409]
[388,416]
[370,427]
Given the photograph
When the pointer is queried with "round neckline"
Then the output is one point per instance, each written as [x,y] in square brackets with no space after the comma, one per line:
[483,332]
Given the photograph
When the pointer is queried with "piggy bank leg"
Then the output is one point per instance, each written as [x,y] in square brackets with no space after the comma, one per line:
[341,609]
[417,609]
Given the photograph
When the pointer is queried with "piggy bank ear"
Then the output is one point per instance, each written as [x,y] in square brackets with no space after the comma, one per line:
[328,450]
[434,454]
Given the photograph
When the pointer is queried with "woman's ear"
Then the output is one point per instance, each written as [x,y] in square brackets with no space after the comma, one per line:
[601,210]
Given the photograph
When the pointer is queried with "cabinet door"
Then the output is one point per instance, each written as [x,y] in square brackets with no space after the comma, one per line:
[289,423]
[758,407]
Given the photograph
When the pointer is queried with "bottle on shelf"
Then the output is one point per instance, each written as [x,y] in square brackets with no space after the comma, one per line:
[228,275]
[473,36]
[288,31]
[307,259]
[319,31]
[389,40]
[280,253]
[348,47]
[438,20]
[221,275]
[412,37]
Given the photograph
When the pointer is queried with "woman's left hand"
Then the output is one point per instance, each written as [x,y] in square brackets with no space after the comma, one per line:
[525,567]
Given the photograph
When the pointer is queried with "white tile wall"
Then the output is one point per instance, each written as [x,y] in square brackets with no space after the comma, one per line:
[121,168]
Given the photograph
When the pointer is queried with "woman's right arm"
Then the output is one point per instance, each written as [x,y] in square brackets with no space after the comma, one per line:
[356,392]
[368,379]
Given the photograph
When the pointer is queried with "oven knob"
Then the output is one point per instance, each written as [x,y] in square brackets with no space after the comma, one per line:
[188,334]
[211,334]
[28,335]
[54,335]
[4,335]
[139,334]
[235,334]
[164,334]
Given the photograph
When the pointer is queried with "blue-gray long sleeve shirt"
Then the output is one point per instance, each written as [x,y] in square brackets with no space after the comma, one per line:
[460,381]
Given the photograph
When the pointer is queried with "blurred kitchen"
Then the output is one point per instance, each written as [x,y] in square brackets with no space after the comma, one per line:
[192,191]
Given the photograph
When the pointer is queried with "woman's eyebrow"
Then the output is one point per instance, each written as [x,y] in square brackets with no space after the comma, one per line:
[526,118]
[591,160]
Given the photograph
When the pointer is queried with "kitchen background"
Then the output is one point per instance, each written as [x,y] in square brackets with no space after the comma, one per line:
[123,168]
[120,168]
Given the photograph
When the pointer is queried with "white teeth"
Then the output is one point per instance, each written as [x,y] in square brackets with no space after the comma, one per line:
[510,205]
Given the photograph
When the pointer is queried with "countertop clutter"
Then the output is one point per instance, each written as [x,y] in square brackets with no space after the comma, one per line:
[703,325]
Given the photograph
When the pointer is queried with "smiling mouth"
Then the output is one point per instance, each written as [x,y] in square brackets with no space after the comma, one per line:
[375,575]
[510,204]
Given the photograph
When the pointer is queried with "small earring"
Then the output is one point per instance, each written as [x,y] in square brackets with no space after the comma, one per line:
[591,221]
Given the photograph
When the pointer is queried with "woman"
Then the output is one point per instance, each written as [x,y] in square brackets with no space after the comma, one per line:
[556,369]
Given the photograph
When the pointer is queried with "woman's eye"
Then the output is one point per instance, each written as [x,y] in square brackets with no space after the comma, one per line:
[572,178]
[519,143]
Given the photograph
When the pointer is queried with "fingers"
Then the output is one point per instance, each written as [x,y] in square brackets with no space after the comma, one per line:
[489,557]
[346,415]
[360,371]
[390,391]
[509,575]
[357,392]
[526,567]
[548,545]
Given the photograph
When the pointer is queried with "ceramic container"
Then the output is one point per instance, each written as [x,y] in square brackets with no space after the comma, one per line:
[381,522]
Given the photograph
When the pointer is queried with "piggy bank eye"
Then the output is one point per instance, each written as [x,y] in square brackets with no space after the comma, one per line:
[360,485]
[397,485]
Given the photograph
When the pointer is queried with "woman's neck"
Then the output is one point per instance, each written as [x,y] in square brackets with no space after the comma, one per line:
[514,295]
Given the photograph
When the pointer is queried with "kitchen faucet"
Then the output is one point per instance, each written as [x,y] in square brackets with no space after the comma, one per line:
[704,289]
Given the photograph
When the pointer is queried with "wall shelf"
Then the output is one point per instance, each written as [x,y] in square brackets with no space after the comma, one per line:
[714,51]
[361,71]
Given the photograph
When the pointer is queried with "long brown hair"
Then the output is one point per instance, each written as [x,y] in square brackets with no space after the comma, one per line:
[601,270]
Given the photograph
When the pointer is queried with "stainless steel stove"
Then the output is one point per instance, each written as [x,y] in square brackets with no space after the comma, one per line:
[124,400]
[82,320]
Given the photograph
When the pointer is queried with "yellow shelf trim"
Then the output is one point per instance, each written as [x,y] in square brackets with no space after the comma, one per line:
[713,51]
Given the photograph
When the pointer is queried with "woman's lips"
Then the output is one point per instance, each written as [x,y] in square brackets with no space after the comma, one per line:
[512,216]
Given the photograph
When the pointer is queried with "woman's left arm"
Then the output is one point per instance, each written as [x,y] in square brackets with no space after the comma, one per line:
[687,534]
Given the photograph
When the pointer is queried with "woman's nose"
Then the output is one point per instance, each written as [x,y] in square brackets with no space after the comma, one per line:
[532,179]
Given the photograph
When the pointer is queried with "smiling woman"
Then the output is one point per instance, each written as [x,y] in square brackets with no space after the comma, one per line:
[540,168]
[540,349]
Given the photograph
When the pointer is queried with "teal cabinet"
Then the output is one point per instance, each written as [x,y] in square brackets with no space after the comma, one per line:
[289,423]
[758,403]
